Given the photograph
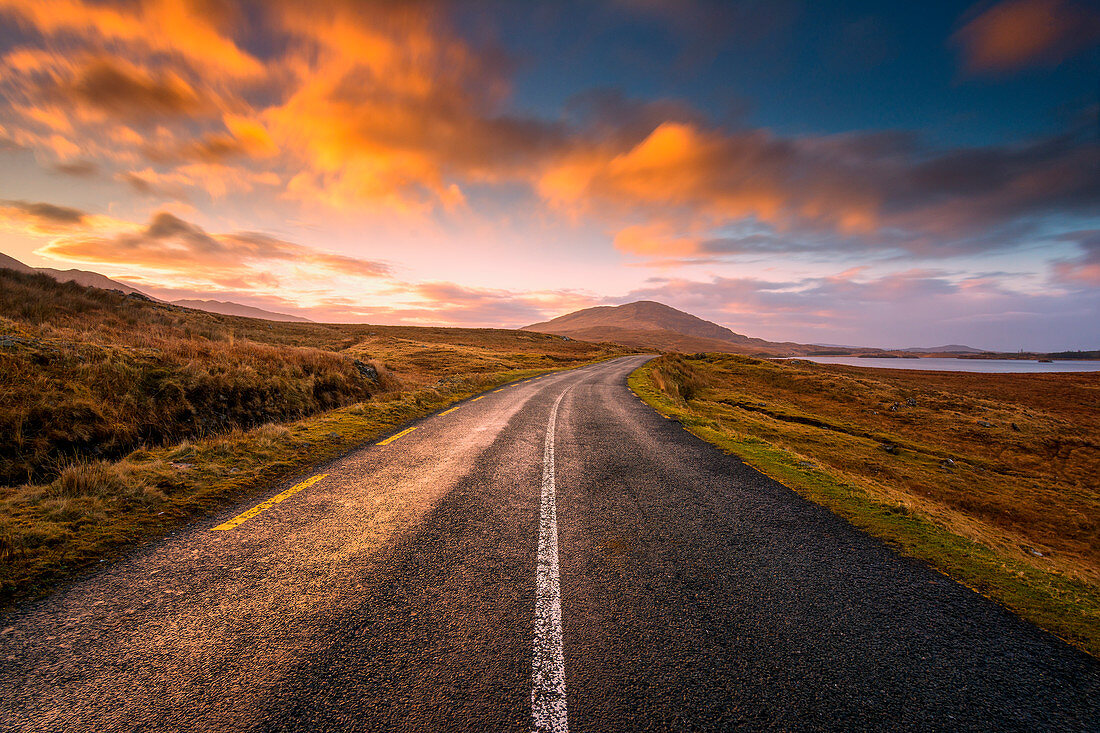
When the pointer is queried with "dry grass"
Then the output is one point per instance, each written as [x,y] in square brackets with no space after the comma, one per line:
[92,374]
[120,416]
[993,475]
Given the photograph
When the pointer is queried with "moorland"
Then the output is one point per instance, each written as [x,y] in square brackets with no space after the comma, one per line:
[121,417]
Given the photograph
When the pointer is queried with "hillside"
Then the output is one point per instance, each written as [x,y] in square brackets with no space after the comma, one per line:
[646,324]
[120,415]
[228,308]
[80,277]
[91,279]
[94,372]
[946,349]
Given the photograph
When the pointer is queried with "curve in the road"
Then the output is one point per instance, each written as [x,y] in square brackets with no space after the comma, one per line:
[412,589]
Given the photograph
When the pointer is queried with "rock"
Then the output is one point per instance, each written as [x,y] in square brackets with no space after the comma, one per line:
[947,463]
[181,466]
[894,407]
[366,370]
[911,402]
[890,448]
[985,424]
[1015,427]
[334,436]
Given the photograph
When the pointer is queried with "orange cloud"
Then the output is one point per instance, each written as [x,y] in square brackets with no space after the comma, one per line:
[681,172]
[125,91]
[171,245]
[192,29]
[40,218]
[1018,33]
[382,107]
[659,239]
[392,109]
[45,219]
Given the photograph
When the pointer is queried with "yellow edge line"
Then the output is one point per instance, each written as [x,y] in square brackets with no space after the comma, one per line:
[477,398]
[242,518]
[448,412]
[392,438]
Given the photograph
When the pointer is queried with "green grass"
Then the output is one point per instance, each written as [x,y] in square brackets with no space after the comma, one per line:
[1065,603]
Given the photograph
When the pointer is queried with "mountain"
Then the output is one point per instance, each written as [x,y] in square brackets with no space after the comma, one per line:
[80,277]
[95,280]
[948,349]
[651,325]
[13,264]
[227,308]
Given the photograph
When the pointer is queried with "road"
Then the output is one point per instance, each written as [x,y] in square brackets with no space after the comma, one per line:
[484,572]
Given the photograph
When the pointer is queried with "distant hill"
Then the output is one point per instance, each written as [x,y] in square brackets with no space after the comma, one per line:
[948,349]
[94,280]
[647,324]
[81,277]
[227,308]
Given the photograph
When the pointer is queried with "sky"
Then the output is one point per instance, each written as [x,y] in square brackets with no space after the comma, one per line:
[872,174]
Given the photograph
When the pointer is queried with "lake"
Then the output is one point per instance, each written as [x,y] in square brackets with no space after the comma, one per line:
[988,366]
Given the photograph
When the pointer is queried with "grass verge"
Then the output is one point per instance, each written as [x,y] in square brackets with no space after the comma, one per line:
[121,417]
[887,479]
[94,510]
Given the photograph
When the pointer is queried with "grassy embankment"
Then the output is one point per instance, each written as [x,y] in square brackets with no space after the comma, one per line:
[991,478]
[120,417]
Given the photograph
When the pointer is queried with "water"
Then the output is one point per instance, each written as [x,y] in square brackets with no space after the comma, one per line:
[987,366]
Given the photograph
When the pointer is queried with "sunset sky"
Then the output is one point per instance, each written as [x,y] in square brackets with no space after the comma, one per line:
[880,174]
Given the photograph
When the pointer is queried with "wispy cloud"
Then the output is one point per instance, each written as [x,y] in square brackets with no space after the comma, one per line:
[376,107]
[397,115]
[923,307]
[1014,34]
[170,245]
[43,216]
[1082,271]
[885,192]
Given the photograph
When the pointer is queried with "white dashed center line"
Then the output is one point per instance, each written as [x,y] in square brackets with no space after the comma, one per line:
[548,710]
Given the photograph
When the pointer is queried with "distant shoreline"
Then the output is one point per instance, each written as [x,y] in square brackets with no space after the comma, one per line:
[959,364]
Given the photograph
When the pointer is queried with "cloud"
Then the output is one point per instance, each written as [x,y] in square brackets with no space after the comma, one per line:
[39,217]
[245,138]
[683,169]
[151,183]
[1083,270]
[198,31]
[80,168]
[129,93]
[480,305]
[1015,34]
[677,192]
[391,110]
[900,309]
[377,108]
[171,245]
[435,303]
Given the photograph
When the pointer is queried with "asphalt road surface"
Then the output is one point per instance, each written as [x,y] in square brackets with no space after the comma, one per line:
[483,572]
